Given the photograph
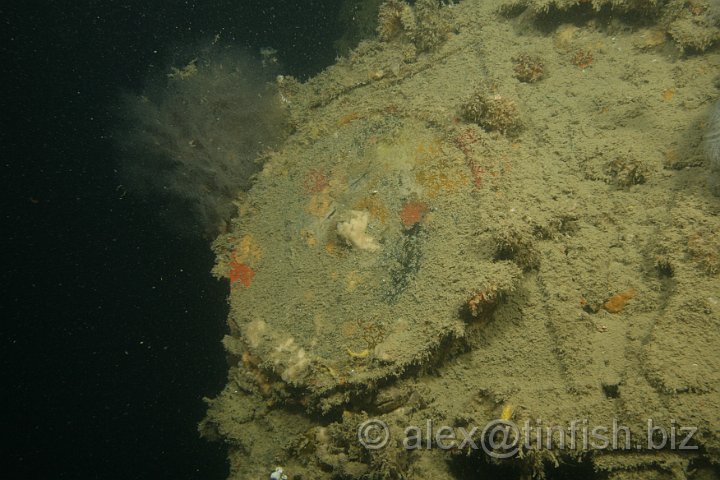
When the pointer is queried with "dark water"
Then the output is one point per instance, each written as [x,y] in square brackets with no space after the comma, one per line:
[111,324]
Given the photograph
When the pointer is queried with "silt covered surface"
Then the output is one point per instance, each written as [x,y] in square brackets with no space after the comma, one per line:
[549,259]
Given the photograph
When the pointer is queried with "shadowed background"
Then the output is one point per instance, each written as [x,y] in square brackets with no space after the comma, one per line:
[112,322]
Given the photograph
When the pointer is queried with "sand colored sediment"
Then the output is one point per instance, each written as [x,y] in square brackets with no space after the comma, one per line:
[565,271]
